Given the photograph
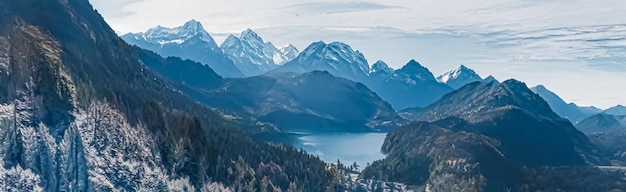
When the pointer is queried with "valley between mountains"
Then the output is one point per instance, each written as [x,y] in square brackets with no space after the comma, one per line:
[83,109]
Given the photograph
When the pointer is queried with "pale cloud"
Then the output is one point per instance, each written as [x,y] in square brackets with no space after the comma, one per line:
[577,48]
[322,8]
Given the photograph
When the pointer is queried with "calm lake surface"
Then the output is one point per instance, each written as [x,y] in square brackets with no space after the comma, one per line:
[361,148]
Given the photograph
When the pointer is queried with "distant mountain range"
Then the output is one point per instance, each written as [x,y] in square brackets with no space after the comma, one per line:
[610,120]
[411,86]
[244,56]
[253,56]
[586,119]
[570,111]
[603,122]
[189,41]
[310,102]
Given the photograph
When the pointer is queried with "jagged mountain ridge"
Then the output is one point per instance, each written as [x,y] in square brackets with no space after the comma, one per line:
[189,41]
[80,112]
[411,86]
[248,52]
[253,56]
[337,58]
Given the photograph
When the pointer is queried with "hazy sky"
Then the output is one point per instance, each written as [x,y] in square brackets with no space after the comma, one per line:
[576,48]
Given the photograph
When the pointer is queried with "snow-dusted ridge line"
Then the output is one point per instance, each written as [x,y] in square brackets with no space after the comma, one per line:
[254,56]
[93,153]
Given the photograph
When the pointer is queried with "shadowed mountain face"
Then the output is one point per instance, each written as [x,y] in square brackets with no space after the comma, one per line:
[80,112]
[478,131]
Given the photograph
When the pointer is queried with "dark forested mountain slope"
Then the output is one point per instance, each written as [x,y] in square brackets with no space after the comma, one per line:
[513,114]
[466,140]
[79,112]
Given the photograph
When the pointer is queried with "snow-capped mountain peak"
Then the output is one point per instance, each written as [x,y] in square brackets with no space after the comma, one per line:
[188,41]
[460,72]
[339,59]
[193,25]
[163,35]
[231,40]
[248,34]
[252,55]
[459,77]
[287,53]
[380,67]
[339,50]
[309,51]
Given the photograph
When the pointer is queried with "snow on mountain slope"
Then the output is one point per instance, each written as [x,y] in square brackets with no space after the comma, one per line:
[459,77]
[253,56]
[380,68]
[190,41]
[178,35]
[339,59]
[287,53]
